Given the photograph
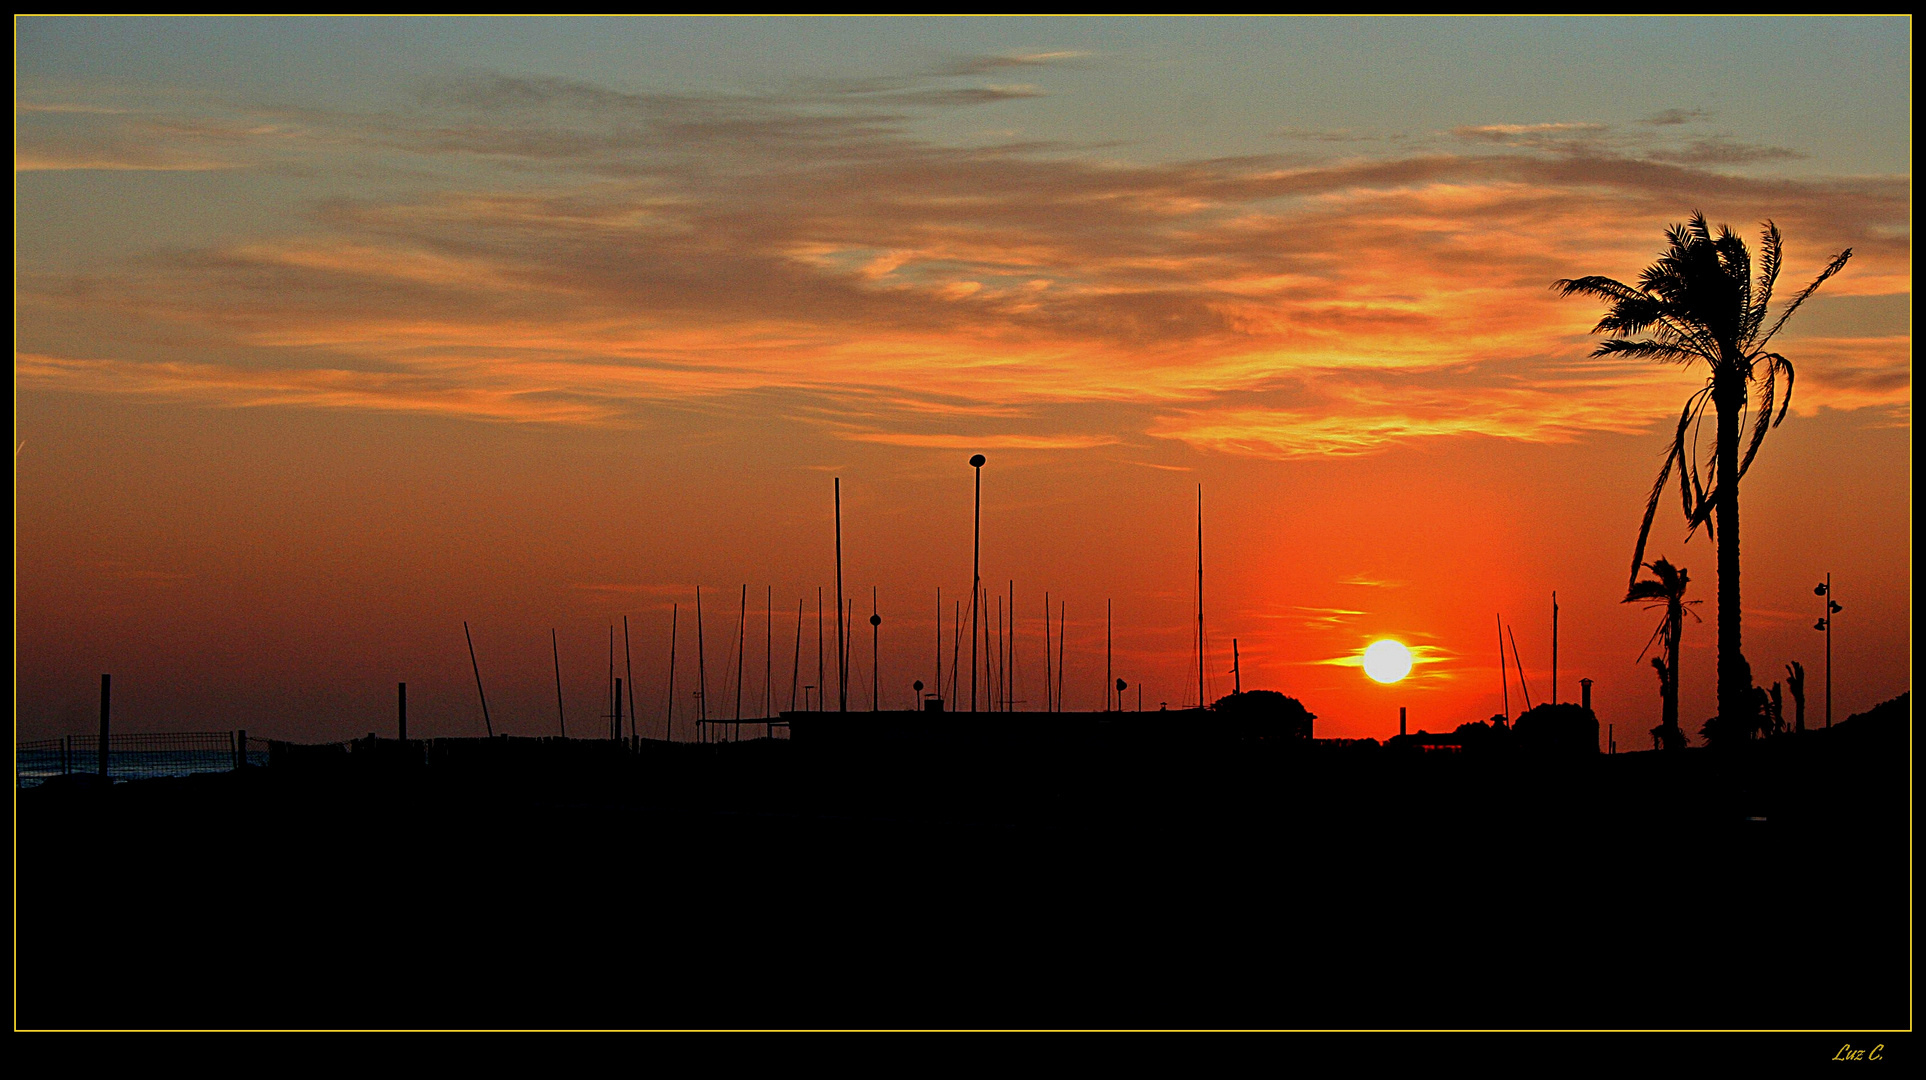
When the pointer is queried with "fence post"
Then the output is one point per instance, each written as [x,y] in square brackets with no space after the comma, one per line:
[106,685]
[66,754]
[240,750]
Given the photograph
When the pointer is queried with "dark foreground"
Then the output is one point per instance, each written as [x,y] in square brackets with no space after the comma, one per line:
[779,885]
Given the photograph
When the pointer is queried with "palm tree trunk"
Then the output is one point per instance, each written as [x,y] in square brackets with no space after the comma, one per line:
[1735,675]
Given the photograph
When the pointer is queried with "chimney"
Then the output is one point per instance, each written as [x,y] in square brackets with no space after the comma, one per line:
[1585,694]
[1400,719]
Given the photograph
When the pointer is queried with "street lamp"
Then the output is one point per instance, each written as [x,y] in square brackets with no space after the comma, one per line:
[875,639]
[1831,608]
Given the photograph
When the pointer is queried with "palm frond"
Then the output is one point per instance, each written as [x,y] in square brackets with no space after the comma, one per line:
[1736,261]
[1831,268]
[1763,421]
[1648,647]
[1786,366]
[1646,590]
[1700,340]
[1651,511]
[1602,287]
[1645,350]
[1770,247]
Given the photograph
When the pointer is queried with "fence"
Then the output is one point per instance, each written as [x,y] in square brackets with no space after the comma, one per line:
[138,757]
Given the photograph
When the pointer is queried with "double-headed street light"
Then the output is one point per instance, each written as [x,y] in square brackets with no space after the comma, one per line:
[1832,608]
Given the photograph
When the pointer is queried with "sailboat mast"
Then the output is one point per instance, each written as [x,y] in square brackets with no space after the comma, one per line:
[628,668]
[702,676]
[668,716]
[490,724]
[795,670]
[1522,684]
[1504,680]
[1203,696]
[557,651]
[842,657]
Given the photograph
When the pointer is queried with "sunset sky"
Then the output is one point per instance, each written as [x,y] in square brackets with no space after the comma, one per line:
[332,334]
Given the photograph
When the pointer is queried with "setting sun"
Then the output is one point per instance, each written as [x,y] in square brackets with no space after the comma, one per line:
[1387,661]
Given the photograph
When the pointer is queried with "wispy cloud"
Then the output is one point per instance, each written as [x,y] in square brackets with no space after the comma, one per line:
[1429,663]
[586,252]
[1672,117]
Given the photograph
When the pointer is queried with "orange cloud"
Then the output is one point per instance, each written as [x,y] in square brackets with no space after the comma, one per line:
[649,249]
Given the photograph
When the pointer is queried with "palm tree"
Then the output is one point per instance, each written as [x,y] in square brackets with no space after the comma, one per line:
[1796,683]
[1666,588]
[1699,302]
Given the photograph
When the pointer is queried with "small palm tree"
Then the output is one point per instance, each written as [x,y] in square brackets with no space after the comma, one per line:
[1700,302]
[1666,589]
[1796,684]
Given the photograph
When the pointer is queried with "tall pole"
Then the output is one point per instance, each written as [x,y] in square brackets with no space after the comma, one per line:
[556,651]
[614,695]
[1522,684]
[795,670]
[702,675]
[1554,699]
[956,647]
[875,648]
[668,716]
[106,698]
[1504,680]
[1002,675]
[768,649]
[842,657]
[1237,676]
[1829,617]
[628,668]
[1203,696]
[742,639]
[976,570]
[1049,676]
[478,684]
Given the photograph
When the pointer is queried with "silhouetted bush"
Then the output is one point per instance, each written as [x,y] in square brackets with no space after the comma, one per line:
[1266,714]
[1562,729]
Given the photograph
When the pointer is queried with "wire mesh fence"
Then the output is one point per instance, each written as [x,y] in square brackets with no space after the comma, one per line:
[137,756]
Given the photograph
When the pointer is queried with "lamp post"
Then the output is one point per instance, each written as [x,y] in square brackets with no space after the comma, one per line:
[875,646]
[976,570]
[1831,608]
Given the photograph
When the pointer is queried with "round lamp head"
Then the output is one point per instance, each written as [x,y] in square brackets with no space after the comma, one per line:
[977,460]
[875,620]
